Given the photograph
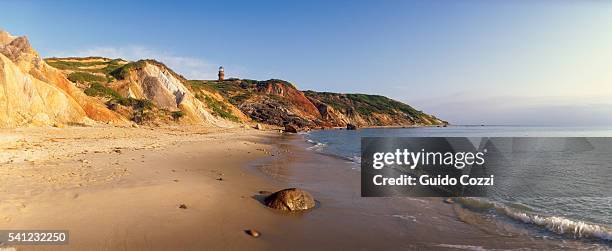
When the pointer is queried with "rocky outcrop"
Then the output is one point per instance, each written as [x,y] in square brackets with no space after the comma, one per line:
[291,199]
[279,103]
[291,129]
[273,102]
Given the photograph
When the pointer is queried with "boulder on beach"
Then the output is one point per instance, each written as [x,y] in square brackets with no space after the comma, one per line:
[350,126]
[258,126]
[291,129]
[291,199]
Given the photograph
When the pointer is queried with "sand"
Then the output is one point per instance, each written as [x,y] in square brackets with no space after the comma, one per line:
[122,189]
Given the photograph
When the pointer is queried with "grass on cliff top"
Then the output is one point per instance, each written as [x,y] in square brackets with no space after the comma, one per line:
[122,71]
[230,90]
[109,66]
[84,77]
[236,90]
[363,103]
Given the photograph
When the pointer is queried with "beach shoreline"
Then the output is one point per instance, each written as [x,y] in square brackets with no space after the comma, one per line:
[110,187]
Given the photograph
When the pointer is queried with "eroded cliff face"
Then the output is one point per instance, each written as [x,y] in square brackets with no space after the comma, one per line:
[279,103]
[368,110]
[274,102]
[153,81]
[25,100]
[147,92]
[25,71]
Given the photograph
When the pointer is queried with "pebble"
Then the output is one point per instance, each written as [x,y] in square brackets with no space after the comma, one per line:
[252,232]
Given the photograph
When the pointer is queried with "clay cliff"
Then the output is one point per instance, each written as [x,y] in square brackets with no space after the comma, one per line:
[368,110]
[279,103]
[273,102]
[97,90]
[33,93]
[148,92]
[153,81]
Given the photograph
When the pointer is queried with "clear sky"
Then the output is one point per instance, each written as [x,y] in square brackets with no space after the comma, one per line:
[470,62]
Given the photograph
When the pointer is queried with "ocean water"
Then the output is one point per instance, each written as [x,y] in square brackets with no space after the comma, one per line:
[588,218]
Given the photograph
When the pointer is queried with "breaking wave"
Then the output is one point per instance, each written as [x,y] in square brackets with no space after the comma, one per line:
[316,146]
[556,224]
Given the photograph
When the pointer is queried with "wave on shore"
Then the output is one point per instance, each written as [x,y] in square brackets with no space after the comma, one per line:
[320,147]
[556,224]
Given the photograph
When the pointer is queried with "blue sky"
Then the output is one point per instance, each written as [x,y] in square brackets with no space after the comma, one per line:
[470,62]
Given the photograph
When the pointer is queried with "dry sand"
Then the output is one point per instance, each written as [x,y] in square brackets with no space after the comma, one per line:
[120,188]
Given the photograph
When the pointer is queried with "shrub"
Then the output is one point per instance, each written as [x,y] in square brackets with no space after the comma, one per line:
[219,108]
[98,90]
[84,77]
[176,115]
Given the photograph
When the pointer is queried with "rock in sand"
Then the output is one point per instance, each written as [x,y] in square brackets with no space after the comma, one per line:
[252,232]
[291,199]
[291,129]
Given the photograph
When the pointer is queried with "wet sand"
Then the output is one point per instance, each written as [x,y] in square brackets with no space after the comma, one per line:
[121,188]
[345,220]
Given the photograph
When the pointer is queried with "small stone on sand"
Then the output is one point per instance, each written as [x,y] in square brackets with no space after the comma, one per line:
[182,206]
[252,232]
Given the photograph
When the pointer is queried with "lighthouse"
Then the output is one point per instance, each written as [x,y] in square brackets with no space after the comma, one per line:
[221,73]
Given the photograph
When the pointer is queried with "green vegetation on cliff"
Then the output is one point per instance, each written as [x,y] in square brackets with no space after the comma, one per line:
[271,101]
[363,103]
[89,64]
[218,108]
[84,77]
[122,72]
[99,90]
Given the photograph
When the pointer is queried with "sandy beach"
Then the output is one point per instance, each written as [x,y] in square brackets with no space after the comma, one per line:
[122,189]
[119,189]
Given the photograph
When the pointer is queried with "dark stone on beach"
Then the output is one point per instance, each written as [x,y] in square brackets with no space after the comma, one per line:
[449,201]
[291,129]
[220,179]
[252,232]
[182,206]
[291,199]
[351,127]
